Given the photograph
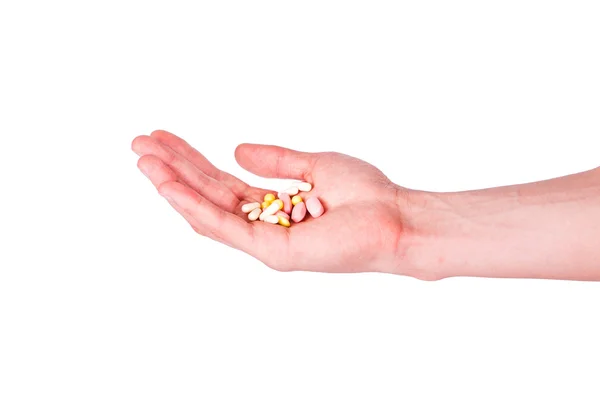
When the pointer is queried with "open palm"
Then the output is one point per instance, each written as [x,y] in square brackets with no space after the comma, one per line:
[359,231]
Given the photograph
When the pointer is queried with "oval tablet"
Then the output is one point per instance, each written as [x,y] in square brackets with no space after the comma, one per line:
[314,207]
[296,199]
[254,214]
[269,197]
[287,202]
[250,206]
[299,212]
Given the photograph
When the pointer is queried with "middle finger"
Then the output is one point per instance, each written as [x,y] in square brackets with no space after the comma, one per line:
[211,189]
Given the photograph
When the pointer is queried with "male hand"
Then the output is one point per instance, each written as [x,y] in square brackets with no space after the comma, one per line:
[362,228]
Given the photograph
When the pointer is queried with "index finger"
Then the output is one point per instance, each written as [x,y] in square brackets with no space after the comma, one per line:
[226,227]
[185,150]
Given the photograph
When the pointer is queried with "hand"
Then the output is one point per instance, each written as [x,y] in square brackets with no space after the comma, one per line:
[362,228]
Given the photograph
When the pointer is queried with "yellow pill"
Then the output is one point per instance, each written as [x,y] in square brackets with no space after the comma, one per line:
[278,202]
[269,197]
[296,200]
[284,222]
[265,204]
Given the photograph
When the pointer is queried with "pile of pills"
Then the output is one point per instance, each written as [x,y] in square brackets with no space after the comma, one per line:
[287,206]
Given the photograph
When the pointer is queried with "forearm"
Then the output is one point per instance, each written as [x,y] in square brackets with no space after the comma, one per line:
[548,229]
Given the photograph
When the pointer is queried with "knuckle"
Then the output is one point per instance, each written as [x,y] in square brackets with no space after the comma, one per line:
[170,157]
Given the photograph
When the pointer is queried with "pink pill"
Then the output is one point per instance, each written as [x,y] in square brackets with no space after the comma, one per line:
[283,214]
[314,206]
[299,212]
[287,202]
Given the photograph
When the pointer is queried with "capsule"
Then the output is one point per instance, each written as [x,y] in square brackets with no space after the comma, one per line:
[250,206]
[292,190]
[279,203]
[287,202]
[269,197]
[272,209]
[284,222]
[272,219]
[299,212]
[296,199]
[304,187]
[254,214]
[314,207]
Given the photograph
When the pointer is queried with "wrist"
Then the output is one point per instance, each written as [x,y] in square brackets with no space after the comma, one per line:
[426,218]
[476,233]
[537,230]
[453,234]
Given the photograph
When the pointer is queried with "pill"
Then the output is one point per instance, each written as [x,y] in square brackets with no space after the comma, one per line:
[283,214]
[296,199]
[279,202]
[250,206]
[272,219]
[298,212]
[263,215]
[254,214]
[265,204]
[314,207]
[304,187]
[269,197]
[287,202]
[272,209]
[292,190]
[284,221]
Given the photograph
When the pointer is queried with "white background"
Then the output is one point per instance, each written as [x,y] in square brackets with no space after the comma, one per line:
[106,293]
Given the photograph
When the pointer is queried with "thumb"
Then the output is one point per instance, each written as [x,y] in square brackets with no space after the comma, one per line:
[274,161]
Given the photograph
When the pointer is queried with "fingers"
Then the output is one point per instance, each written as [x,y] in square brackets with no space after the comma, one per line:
[275,162]
[159,173]
[156,170]
[187,172]
[186,151]
[190,220]
[201,214]
[209,219]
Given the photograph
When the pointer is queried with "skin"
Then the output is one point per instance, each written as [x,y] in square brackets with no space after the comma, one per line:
[546,229]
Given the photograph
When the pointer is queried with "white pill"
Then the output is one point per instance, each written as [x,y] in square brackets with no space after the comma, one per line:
[254,214]
[292,190]
[272,219]
[304,187]
[250,207]
[272,209]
